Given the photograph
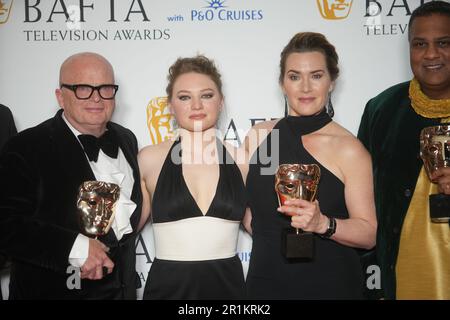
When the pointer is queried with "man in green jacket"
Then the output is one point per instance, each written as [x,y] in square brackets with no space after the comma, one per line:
[412,252]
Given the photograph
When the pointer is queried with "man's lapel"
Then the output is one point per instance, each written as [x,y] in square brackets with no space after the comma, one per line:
[70,154]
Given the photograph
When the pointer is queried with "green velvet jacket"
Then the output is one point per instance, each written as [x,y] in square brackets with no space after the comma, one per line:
[390,131]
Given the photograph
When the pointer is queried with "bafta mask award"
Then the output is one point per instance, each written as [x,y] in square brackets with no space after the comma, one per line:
[96,200]
[297,181]
[435,153]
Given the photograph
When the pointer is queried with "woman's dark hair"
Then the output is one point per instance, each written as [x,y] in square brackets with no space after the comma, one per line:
[311,42]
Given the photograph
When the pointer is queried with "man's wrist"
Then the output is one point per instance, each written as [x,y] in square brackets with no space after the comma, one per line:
[80,251]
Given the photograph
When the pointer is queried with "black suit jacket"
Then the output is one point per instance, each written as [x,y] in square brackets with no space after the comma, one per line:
[7,130]
[41,170]
[7,126]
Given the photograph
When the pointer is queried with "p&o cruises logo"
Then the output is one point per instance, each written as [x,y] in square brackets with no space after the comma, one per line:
[5,10]
[216,10]
[334,9]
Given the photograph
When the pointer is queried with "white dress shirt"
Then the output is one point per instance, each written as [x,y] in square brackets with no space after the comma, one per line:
[110,170]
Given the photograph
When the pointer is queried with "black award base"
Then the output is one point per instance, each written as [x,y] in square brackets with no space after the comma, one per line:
[440,207]
[297,245]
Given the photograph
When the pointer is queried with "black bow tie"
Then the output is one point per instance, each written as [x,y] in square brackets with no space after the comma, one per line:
[92,145]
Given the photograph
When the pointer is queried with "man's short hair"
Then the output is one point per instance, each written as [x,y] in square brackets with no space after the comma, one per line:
[428,9]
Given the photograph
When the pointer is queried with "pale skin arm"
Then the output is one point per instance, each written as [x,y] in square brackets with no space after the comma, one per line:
[146,195]
[360,229]
[247,221]
[150,160]
[146,206]
[241,158]
[254,138]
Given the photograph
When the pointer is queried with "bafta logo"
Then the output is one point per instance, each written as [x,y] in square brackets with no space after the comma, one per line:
[334,9]
[5,10]
[159,120]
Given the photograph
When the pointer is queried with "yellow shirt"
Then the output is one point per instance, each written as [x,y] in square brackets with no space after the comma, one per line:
[423,262]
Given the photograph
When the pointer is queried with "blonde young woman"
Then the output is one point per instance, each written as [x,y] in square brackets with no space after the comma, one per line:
[194,193]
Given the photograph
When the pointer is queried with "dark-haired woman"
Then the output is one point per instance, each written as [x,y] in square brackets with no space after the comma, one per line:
[341,218]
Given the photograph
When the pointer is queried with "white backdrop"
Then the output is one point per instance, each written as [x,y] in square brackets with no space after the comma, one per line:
[142,38]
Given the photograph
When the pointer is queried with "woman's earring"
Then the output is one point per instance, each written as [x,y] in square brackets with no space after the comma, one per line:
[329,107]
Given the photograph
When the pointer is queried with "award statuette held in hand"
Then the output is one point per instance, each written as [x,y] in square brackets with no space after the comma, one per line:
[95,204]
[297,181]
[435,153]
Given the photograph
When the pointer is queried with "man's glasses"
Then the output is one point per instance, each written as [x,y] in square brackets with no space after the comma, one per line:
[84,91]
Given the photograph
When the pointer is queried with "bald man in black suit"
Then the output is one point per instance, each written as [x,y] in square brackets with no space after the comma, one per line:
[41,170]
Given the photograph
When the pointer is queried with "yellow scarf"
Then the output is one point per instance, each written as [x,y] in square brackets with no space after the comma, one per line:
[427,107]
[423,261]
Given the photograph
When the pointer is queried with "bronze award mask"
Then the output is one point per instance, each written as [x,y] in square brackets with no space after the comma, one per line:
[435,153]
[297,181]
[96,200]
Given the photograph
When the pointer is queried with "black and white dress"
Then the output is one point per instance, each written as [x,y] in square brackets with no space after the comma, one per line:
[195,253]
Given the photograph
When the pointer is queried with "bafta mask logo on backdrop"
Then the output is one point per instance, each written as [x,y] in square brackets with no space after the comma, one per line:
[5,10]
[160,121]
[334,9]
